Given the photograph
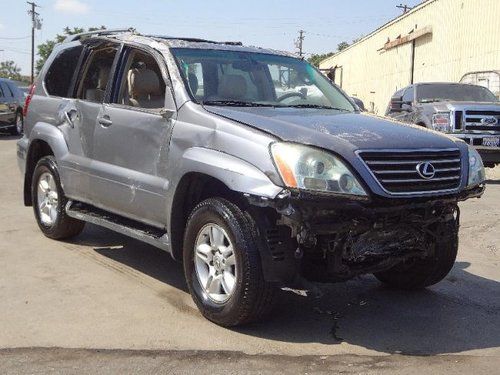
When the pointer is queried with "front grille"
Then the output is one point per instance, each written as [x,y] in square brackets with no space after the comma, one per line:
[396,171]
[474,121]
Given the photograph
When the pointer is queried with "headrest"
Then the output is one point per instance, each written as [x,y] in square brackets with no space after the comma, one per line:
[102,78]
[232,86]
[143,82]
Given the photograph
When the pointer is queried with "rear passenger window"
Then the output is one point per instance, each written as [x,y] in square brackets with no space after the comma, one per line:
[142,84]
[96,74]
[59,76]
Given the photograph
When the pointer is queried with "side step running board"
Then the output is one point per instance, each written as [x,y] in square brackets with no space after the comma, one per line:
[117,223]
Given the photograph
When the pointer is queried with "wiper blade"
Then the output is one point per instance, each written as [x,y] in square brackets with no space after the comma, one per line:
[315,106]
[235,103]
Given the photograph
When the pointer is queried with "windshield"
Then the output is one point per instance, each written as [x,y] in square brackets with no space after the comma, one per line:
[234,78]
[454,92]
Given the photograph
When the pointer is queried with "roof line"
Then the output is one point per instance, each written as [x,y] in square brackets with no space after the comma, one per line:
[380,28]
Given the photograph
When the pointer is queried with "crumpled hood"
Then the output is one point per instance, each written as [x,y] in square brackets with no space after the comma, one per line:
[335,130]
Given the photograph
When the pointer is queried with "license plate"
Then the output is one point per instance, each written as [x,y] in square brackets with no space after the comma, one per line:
[491,141]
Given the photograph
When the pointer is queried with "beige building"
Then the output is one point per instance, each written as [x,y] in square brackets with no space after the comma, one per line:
[438,40]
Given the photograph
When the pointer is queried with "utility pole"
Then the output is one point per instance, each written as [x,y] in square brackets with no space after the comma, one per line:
[405,8]
[299,42]
[35,24]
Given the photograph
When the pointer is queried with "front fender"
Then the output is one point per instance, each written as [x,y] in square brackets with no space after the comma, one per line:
[237,174]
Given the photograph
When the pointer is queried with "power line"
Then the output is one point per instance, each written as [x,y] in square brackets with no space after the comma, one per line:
[15,38]
[299,42]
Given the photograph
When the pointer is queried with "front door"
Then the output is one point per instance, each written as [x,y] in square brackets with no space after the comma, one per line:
[131,141]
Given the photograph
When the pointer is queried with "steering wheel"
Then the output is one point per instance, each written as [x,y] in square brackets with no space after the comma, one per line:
[290,95]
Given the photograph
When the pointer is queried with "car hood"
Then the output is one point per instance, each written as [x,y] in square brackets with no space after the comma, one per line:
[335,130]
[456,105]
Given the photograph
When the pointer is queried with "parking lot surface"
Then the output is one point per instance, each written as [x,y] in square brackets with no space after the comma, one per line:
[105,291]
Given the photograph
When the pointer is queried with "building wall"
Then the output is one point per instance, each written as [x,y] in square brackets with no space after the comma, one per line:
[465,37]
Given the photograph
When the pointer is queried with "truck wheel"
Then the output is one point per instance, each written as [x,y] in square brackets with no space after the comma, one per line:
[421,273]
[49,202]
[222,264]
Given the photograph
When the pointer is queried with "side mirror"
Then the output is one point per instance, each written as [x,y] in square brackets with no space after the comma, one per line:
[396,104]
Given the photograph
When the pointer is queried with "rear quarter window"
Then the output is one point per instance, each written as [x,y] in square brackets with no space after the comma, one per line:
[59,76]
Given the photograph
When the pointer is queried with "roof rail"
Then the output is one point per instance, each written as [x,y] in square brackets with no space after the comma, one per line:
[89,34]
[195,40]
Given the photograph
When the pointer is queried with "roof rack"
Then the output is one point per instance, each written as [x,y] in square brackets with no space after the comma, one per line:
[89,34]
[195,40]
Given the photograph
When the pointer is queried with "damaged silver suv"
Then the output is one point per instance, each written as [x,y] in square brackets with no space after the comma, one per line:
[245,164]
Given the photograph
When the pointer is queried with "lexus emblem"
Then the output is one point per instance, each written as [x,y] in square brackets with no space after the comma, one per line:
[489,121]
[426,170]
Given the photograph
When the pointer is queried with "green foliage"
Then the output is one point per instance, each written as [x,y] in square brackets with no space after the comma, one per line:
[342,46]
[315,59]
[45,49]
[9,69]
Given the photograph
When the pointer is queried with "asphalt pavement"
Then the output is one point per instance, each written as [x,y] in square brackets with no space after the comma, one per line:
[105,303]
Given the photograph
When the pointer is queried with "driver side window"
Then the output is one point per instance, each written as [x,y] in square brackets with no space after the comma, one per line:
[409,95]
[142,84]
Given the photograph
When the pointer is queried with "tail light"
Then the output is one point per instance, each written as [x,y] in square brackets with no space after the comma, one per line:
[28,100]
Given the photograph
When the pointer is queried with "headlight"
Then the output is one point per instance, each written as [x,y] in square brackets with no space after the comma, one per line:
[441,122]
[308,168]
[476,168]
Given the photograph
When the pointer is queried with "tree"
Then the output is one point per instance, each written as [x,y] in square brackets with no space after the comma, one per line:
[9,69]
[342,46]
[45,49]
[315,59]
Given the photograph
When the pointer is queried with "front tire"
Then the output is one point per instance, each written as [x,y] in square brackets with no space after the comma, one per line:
[421,273]
[222,264]
[49,202]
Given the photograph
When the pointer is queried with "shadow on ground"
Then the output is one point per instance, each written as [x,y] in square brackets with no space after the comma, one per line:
[461,313]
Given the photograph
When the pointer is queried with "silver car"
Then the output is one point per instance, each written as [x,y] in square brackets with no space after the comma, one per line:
[245,164]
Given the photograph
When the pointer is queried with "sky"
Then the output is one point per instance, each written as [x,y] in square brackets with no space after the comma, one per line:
[264,23]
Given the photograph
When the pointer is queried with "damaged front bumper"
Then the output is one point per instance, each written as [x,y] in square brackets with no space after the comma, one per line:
[334,238]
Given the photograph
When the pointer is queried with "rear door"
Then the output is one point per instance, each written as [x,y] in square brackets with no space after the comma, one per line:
[89,92]
[131,139]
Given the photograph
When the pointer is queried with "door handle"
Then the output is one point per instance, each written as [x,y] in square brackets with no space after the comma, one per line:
[105,121]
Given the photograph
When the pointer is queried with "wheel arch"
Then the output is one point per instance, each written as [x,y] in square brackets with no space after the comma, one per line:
[45,139]
[210,173]
[193,188]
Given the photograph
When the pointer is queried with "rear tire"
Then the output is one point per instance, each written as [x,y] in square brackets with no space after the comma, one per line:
[421,273]
[49,202]
[251,297]
[18,124]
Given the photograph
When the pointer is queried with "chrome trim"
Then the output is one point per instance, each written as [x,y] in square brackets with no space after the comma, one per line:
[411,162]
[423,180]
[421,193]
